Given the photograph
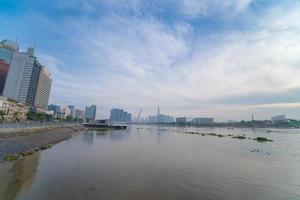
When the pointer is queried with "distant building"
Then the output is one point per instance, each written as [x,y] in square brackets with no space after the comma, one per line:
[90,112]
[119,115]
[14,111]
[160,118]
[79,114]
[43,89]
[65,111]
[54,108]
[278,119]
[181,120]
[3,74]
[72,110]
[202,121]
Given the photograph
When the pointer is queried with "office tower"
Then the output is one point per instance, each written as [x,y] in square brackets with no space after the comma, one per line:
[3,73]
[72,110]
[43,89]
[22,78]
[54,108]
[7,48]
[79,114]
[181,120]
[202,121]
[119,115]
[90,112]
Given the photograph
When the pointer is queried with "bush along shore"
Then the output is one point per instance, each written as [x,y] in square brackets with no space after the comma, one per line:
[15,143]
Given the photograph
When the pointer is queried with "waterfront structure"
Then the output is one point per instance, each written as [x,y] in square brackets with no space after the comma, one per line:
[90,113]
[13,111]
[54,108]
[3,74]
[79,114]
[181,120]
[202,121]
[119,115]
[72,110]
[278,119]
[43,90]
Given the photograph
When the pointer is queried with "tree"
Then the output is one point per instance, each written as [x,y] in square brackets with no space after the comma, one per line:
[2,114]
[69,118]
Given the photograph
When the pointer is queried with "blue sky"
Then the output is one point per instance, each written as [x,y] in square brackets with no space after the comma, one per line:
[221,58]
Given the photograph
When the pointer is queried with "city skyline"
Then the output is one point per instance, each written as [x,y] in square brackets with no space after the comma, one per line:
[221,59]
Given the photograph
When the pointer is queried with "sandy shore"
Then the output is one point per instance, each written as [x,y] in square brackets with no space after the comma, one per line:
[26,140]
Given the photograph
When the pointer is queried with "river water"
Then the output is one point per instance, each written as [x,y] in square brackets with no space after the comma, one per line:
[161,163]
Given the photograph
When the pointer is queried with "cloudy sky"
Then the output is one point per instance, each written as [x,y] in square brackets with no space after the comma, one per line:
[221,58]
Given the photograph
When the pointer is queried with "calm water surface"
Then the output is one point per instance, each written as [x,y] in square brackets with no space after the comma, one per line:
[151,162]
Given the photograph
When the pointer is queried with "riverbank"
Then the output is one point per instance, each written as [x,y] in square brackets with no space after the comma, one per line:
[23,141]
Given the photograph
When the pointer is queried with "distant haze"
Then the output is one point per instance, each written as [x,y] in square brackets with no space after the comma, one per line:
[211,58]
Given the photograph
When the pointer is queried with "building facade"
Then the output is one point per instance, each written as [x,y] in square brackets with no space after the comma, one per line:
[79,114]
[3,74]
[90,113]
[119,115]
[54,108]
[181,120]
[7,48]
[203,121]
[72,110]
[43,89]
[13,111]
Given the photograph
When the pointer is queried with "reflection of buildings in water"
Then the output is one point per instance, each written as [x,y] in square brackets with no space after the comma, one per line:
[119,135]
[88,137]
[19,176]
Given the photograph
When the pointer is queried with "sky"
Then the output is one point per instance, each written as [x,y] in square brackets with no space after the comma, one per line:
[224,59]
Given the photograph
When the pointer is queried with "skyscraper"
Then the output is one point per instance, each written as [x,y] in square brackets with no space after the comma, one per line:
[43,89]
[7,48]
[3,73]
[22,78]
[90,112]
[28,81]
[119,115]
[72,110]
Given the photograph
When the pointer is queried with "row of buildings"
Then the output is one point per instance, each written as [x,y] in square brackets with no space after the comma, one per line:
[89,114]
[23,79]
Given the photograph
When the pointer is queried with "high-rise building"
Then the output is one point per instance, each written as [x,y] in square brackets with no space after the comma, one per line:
[203,121]
[3,73]
[43,89]
[119,115]
[54,108]
[28,81]
[72,110]
[22,78]
[79,114]
[90,112]
[181,120]
[7,48]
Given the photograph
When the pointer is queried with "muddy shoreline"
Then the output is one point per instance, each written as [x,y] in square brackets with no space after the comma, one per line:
[15,143]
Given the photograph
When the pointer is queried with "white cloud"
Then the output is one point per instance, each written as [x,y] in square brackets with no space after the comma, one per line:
[142,62]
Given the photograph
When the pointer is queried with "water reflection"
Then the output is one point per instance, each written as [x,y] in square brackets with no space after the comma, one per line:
[17,176]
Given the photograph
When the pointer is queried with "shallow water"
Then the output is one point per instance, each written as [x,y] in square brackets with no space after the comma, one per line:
[151,162]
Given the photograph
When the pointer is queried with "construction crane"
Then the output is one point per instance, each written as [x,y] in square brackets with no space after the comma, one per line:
[138,118]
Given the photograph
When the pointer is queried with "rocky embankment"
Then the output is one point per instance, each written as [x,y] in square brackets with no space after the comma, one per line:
[19,142]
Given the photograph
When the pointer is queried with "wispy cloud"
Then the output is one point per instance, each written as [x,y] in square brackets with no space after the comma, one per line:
[181,55]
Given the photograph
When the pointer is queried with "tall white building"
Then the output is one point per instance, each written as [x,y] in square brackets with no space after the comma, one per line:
[22,78]
[43,89]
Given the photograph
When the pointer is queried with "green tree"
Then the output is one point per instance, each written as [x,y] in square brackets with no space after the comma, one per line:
[2,114]
[69,118]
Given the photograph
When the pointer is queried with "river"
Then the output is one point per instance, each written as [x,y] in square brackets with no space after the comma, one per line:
[157,162]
